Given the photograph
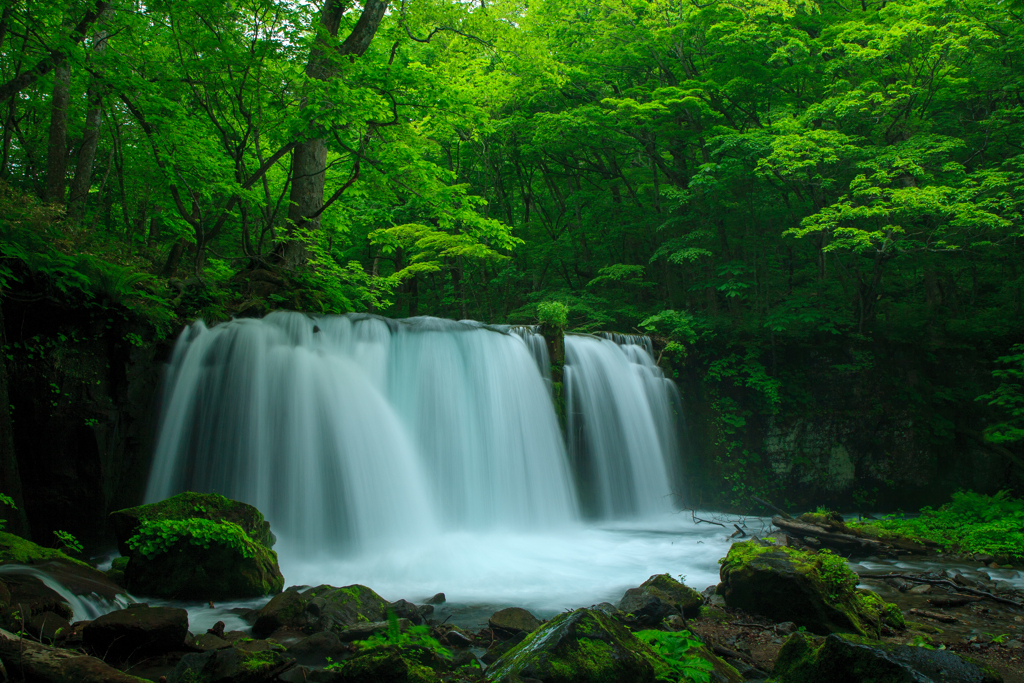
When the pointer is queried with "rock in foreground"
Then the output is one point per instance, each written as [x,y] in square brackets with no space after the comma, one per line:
[852,659]
[137,632]
[814,590]
[659,597]
[583,646]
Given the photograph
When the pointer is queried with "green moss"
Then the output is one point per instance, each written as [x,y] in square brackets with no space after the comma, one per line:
[923,628]
[262,662]
[17,550]
[211,507]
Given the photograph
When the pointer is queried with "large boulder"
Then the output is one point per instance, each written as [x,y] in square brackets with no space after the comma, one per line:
[137,632]
[382,665]
[189,505]
[814,590]
[207,556]
[852,659]
[583,646]
[657,598]
[323,608]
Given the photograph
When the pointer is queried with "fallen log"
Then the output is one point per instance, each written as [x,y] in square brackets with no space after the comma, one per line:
[945,582]
[44,664]
[944,618]
[843,542]
[954,600]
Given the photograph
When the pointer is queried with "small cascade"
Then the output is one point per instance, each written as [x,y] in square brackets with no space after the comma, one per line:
[85,607]
[621,431]
[538,347]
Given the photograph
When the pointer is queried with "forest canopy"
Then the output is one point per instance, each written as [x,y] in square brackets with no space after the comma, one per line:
[770,174]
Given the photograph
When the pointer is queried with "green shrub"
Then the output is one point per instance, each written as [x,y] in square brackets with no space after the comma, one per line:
[553,314]
[677,652]
[155,537]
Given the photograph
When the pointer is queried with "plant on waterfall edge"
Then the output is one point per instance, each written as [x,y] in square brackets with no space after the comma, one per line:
[970,523]
[674,650]
[67,542]
[553,314]
[155,537]
[9,502]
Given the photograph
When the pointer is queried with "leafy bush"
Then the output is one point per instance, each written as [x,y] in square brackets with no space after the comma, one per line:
[159,536]
[675,650]
[67,542]
[971,523]
[9,502]
[554,314]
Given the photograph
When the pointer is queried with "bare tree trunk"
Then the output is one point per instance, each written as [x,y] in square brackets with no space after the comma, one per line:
[309,159]
[57,150]
[82,181]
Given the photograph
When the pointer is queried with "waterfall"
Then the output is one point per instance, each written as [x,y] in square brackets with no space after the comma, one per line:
[621,437]
[355,431]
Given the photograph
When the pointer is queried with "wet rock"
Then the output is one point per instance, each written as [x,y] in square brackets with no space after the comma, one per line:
[853,659]
[437,599]
[785,628]
[137,632]
[316,648]
[583,646]
[209,641]
[815,590]
[675,622]
[48,627]
[404,609]
[229,666]
[285,610]
[189,505]
[513,620]
[922,589]
[657,598]
[116,571]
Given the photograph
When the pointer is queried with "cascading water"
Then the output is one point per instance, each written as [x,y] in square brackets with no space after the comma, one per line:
[424,455]
[619,410]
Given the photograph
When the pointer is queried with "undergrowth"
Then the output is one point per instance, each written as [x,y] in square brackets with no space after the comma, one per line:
[155,537]
[970,523]
[677,652]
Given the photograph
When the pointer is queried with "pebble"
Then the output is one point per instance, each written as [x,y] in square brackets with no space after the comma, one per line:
[920,590]
[1014,645]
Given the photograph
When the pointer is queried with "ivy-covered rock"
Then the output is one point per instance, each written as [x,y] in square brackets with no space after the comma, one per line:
[323,608]
[184,506]
[197,546]
[814,590]
[853,659]
[584,646]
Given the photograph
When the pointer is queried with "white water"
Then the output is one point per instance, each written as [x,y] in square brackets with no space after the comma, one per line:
[83,607]
[424,455]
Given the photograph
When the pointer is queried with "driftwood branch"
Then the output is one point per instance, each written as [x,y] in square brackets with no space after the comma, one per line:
[43,664]
[698,520]
[782,513]
[944,618]
[845,542]
[739,531]
[948,583]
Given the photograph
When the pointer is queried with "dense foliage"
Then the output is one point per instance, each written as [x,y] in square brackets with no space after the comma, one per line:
[970,523]
[775,189]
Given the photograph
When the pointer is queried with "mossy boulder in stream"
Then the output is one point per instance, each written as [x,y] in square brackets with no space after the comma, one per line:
[202,557]
[16,550]
[584,646]
[815,590]
[189,505]
[657,598]
[323,608]
[854,659]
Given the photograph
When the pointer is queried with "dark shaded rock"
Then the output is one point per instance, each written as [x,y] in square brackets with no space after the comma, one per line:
[317,648]
[853,659]
[641,608]
[366,629]
[680,596]
[48,627]
[404,609]
[229,666]
[385,665]
[608,609]
[137,632]
[513,620]
[189,505]
[814,590]
[209,641]
[30,597]
[583,646]
[437,599]
[217,629]
[116,571]
[323,608]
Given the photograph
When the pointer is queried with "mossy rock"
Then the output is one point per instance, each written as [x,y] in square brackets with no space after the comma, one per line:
[323,608]
[189,505]
[209,571]
[680,596]
[584,646]
[814,590]
[16,550]
[383,665]
[116,571]
[229,665]
[844,658]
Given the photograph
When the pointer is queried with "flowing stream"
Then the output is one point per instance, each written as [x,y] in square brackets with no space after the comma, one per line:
[426,455]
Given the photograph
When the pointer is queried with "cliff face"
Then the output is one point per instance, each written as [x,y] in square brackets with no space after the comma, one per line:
[900,428]
[81,383]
